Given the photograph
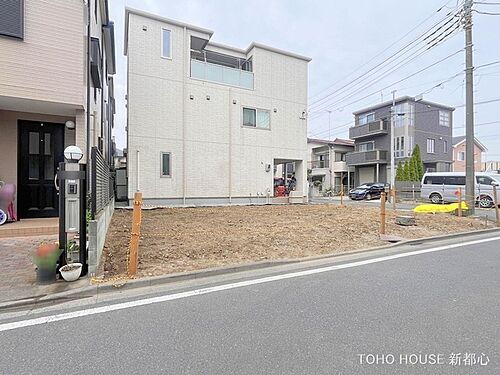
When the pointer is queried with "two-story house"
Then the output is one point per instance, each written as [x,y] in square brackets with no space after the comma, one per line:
[416,122]
[458,145]
[327,165]
[208,123]
[45,75]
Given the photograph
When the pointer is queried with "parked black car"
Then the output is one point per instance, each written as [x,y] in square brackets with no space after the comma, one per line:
[367,191]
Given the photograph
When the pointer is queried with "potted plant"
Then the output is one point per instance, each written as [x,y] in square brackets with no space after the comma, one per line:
[45,258]
[72,251]
[72,270]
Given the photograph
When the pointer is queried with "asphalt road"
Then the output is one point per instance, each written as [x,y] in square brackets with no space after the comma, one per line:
[433,303]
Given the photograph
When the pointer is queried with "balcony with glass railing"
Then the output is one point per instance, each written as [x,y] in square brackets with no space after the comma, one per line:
[221,74]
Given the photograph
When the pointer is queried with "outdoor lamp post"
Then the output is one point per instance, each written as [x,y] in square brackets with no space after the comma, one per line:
[73,154]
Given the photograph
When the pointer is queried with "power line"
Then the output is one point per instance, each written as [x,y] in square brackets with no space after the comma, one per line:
[384,50]
[389,58]
[402,64]
[487,13]
[405,78]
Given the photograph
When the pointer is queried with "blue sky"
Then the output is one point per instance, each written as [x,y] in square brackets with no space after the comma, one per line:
[344,40]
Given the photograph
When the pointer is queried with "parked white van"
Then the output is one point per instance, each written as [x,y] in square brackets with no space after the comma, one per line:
[441,187]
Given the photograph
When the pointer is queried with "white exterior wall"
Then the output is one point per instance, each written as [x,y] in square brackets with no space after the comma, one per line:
[213,156]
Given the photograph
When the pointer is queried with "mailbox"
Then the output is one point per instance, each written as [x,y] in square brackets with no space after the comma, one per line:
[72,203]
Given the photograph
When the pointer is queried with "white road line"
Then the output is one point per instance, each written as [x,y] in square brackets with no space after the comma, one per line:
[197,292]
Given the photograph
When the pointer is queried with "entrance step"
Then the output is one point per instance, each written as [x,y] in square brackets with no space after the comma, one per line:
[30,227]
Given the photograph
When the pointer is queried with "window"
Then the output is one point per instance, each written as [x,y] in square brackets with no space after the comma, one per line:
[166,43]
[256,118]
[340,156]
[366,118]
[12,18]
[461,156]
[363,147]
[445,146]
[484,180]
[431,143]
[454,180]
[166,164]
[444,118]
[399,147]
[434,180]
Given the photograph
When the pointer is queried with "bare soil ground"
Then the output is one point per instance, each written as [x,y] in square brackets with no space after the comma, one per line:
[185,239]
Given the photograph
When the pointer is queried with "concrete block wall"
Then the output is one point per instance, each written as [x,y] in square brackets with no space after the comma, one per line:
[97,235]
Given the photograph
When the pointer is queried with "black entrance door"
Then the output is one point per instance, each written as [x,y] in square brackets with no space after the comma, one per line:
[40,152]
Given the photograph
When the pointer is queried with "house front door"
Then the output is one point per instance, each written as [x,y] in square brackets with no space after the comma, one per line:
[40,152]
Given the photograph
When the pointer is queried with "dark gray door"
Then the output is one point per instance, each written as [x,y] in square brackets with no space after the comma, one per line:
[40,152]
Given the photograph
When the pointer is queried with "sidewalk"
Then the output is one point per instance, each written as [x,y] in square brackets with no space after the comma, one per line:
[17,272]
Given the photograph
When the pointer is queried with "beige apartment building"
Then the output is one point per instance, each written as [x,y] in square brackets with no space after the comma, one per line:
[210,123]
[43,93]
[328,170]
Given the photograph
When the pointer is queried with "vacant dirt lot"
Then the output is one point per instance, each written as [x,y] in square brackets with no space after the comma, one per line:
[184,239]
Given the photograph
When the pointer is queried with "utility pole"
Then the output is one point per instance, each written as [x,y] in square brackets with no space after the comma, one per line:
[330,154]
[393,113]
[470,195]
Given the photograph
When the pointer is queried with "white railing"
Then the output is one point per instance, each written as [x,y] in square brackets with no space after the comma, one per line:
[221,74]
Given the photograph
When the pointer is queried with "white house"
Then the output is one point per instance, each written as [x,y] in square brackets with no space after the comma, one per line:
[208,123]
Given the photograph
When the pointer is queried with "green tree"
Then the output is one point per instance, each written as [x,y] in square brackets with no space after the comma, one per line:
[399,171]
[406,171]
[413,172]
[418,165]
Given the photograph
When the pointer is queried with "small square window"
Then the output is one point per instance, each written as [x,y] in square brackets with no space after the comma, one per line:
[444,118]
[166,161]
[166,43]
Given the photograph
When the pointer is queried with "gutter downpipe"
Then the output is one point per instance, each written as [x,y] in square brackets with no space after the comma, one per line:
[88,101]
[184,61]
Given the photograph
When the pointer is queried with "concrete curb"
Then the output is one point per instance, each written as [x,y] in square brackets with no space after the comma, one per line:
[91,290]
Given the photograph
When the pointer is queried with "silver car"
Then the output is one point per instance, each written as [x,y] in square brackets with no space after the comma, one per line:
[441,187]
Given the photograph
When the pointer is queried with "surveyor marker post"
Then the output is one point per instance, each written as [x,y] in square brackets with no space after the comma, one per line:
[495,201]
[342,194]
[135,235]
[459,196]
[393,192]
[382,213]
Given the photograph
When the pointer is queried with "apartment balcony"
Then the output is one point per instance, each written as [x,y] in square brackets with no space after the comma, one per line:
[367,157]
[221,74]
[371,129]
[319,164]
[339,166]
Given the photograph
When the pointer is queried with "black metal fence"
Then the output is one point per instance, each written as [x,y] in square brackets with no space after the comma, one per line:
[102,182]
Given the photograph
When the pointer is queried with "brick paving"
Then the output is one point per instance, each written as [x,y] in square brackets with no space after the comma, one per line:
[17,271]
